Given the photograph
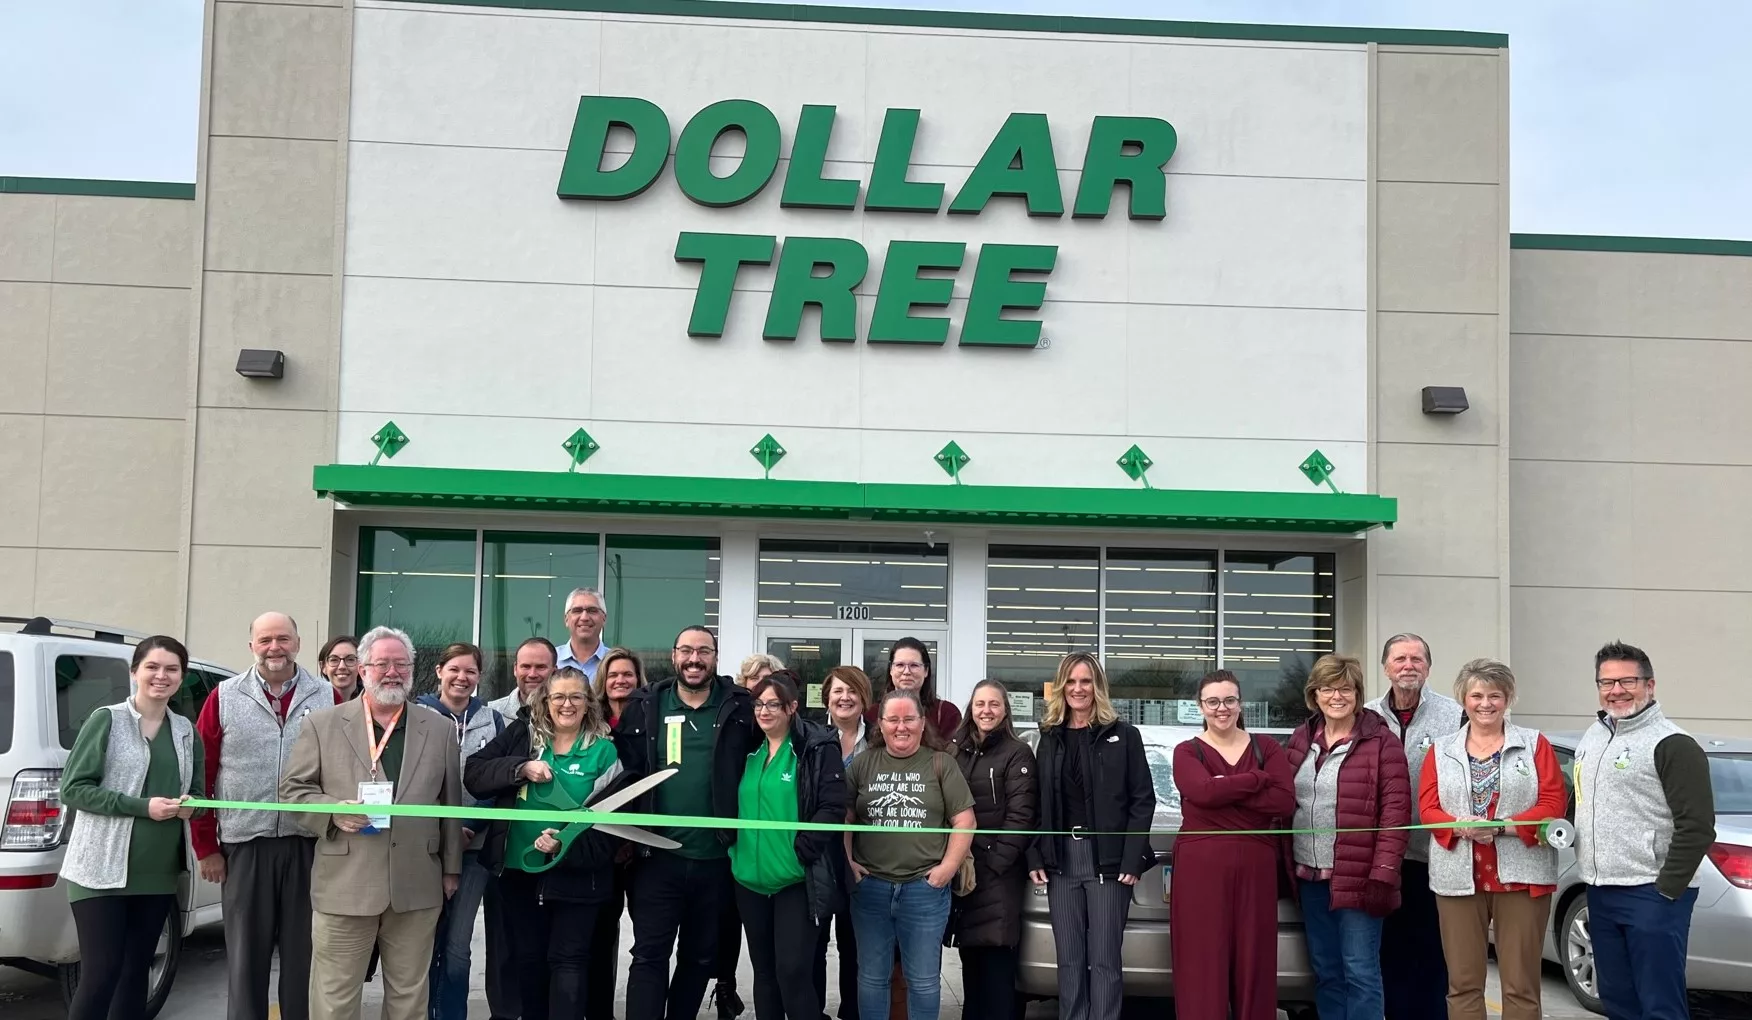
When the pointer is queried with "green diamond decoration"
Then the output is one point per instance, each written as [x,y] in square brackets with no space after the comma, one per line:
[768,452]
[1134,462]
[952,459]
[389,441]
[580,446]
[1319,470]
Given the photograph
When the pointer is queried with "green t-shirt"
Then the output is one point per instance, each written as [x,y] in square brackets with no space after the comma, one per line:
[685,737]
[575,776]
[155,849]
[921,791]
[765,860]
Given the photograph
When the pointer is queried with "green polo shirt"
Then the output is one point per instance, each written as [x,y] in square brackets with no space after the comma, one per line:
[685,737]
[575,776]
[765,860]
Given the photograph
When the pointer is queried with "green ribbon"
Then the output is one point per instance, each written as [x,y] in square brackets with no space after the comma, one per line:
[585,817]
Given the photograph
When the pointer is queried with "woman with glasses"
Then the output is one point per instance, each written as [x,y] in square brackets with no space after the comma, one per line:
[555,757]
[1350,776]
[620,674]
[901,879]
[909,669]
[787,882]
[986,924]
[1222,907]
[1094,778]
[847,697]
[339,662]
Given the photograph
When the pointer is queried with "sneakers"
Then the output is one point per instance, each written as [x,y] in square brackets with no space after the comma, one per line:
[728,1002]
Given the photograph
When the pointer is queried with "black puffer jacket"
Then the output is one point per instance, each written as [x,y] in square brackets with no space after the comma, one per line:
[1121,800]
[586,873]
[637,735]
[1001,774]
[821,797]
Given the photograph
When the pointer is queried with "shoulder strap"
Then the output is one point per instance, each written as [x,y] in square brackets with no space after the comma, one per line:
[1258,752]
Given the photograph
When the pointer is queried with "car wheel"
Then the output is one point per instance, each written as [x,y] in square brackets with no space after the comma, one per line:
[159,977]
[1575,945]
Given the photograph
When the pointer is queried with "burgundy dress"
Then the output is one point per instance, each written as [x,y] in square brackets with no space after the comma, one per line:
[1222,907]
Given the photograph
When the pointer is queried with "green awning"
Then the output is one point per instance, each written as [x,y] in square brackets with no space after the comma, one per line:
[989,505]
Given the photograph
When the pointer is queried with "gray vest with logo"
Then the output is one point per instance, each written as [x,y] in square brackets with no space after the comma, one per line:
[1623,823]
[1436,716]
[97,848]
[253,753]
[1517,791]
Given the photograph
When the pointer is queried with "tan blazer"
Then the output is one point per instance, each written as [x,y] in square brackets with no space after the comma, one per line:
[401,869]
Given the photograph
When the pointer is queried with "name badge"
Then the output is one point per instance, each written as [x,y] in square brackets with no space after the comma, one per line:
[376,793]
[672,740]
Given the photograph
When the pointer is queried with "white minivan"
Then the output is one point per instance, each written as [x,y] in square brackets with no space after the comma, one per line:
[53,674]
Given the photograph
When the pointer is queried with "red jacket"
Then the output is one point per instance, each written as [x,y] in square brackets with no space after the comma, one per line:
[1374,792]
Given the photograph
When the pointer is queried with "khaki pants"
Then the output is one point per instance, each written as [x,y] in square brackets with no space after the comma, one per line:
[341,946]
[1520,933]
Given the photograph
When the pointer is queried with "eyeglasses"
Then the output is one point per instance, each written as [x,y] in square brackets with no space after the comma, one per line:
[911,720]
[342,660]
[587,611]
[702,650]
[1215,703]
[567,699]
[391,665]
[769,706]
[1334,691]
[1629,683]
[908,667]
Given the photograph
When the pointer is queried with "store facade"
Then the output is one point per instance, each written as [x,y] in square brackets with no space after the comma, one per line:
[826,326]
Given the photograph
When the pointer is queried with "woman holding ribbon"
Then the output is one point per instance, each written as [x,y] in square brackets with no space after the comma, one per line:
[554,878]
[1488,876]
[132,766]
[1222,911]
[788,883]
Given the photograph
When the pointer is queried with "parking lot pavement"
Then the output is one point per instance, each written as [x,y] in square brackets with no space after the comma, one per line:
[199,993]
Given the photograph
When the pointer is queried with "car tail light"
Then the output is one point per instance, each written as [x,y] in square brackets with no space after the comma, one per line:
[34,814]
[1734,862]
[16,882]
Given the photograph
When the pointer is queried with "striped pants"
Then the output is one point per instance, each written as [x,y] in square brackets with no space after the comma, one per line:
[1091,986]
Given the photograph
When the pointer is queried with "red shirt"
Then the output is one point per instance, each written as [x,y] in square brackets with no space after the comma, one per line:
[1552,801]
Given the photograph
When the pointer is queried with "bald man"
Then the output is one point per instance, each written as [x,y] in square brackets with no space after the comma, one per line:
[261,858]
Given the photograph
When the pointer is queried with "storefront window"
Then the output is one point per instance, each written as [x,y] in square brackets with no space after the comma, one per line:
[854,581]
[1277,619]
[1042,603]
[525,579]
[421,581]
[1161,635]
[656,585]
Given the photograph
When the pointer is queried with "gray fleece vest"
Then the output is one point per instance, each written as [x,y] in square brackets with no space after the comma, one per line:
[253,753]
[97,848]
[1623,823]
[1317,807]
[1437,716]
[1517,791]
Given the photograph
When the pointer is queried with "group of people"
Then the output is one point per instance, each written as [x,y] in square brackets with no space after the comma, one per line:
[954,816]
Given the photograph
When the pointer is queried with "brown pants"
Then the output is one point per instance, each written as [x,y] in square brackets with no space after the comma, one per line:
[1520,933]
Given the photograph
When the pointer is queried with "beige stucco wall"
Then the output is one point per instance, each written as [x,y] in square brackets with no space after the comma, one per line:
[1632,476]
[94,329]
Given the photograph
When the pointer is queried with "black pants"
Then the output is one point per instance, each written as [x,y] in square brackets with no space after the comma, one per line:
[267,906]
[503,1001]
[988,982]
[1414,974]
[848,964]
[778,926]
[729,941]
[551,942]
[118,936]
[605,955]
[675,903]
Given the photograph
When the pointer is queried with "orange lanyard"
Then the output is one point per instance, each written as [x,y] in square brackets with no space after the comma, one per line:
[372,742]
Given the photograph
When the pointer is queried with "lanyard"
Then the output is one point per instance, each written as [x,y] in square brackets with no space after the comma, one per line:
[376,745]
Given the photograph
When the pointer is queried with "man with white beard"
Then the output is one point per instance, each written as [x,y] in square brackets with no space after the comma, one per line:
[378,878]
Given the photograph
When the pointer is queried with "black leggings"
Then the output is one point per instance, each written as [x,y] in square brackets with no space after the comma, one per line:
[118,936]
[551,940]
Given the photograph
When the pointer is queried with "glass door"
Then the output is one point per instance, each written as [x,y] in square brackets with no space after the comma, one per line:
[809,651]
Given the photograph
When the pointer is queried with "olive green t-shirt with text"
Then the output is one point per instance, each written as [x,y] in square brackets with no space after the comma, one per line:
[921,791]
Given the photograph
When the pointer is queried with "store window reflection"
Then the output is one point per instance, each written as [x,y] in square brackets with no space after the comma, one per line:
[898,582]
[1277,619]
[1042,603]
[1161,631]
[421,581]
[656,585]
[525,579]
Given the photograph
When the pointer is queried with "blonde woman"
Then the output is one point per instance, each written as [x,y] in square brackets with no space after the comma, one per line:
[1093,778]
[757,667]
[557,757]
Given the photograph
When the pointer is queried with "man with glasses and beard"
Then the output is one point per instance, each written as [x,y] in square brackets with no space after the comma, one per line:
[378,878]
[702,725]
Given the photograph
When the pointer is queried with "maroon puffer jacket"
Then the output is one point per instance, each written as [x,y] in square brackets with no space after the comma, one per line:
[1374,789]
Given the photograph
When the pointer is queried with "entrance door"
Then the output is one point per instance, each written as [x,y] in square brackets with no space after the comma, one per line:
[810,650]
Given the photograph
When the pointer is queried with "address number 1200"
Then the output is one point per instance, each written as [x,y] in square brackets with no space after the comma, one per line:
[852,612]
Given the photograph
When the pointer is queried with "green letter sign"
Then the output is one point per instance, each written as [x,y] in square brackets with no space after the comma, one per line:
[720,256]
[582,175]
[693,153]
[1018,162]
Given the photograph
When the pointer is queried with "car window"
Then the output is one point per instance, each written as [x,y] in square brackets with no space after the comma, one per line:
[1161,761]
[1730,779]
[84,684]
[1566,761]
[7,696]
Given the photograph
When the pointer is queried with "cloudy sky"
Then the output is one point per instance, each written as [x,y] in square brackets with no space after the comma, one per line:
[1628,116]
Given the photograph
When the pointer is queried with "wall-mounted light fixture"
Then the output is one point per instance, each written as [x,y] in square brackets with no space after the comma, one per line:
[1444,399]
[254,364]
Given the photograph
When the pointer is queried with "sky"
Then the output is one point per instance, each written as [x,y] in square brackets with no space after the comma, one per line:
[1626,116]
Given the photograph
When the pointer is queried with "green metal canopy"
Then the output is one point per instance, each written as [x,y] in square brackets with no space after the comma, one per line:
[991,505]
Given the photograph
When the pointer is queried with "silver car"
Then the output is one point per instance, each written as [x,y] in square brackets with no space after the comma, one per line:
[1720,955]
[1145,954]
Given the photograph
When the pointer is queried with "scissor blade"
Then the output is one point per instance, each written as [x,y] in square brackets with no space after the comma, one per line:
[632,792]
[637,835]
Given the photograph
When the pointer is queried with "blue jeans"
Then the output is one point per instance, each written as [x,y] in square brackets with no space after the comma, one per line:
[1640,940]
[908,914]
[1345,948]
[448,998]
